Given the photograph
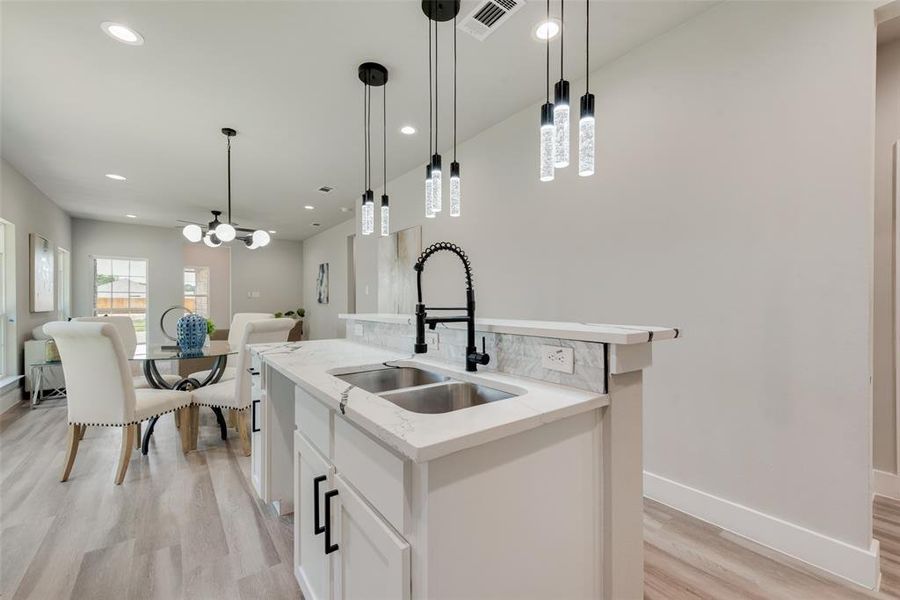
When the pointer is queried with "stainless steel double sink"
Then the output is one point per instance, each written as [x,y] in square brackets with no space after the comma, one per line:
[421,391]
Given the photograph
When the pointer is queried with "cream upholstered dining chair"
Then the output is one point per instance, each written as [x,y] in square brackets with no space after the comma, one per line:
[125,327]
[235,394]
[235,333]
[100,390]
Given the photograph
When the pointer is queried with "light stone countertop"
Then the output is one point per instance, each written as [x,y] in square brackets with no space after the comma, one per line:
[422,437]
[585,332]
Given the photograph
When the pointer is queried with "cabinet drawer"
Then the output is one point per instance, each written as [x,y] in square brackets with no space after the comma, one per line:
[376,472]
[313,419]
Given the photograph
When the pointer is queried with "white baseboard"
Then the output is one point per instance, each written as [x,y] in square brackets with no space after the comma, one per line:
[858,565]
[886,484]
[10,398]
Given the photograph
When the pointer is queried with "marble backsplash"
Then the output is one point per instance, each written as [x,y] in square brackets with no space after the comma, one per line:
[513,354]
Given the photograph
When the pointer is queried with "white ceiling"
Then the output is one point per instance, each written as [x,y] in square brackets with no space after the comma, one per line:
[77,104]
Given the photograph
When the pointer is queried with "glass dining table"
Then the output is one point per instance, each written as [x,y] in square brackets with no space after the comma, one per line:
[150,356]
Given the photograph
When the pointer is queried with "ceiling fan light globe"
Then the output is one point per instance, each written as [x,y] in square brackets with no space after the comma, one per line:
[212,240]
[261,238]
[225,232]
[192,232]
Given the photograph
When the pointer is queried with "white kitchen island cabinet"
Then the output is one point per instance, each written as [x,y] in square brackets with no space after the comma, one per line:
[537,495]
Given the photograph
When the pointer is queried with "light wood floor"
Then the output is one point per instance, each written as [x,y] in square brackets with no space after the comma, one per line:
[190,527]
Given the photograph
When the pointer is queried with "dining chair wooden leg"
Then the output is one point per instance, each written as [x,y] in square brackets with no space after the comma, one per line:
[137,437]
[183,421]
[82,429]
[75,433]
[244,432]
[232,418]
[195,425]
[125,453]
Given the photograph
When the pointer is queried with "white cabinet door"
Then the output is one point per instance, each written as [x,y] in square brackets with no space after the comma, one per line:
[313,477]
[257,444]
[371,562]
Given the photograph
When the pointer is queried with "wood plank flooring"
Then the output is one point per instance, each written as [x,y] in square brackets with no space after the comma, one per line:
[190,527]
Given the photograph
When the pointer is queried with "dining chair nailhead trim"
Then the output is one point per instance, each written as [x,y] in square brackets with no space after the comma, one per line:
[218,406]
[132,422]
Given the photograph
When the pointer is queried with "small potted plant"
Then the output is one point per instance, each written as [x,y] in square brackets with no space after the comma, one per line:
[298,314]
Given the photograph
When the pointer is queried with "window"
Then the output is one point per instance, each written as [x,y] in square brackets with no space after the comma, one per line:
[196,290]
[63,284]
[120,288]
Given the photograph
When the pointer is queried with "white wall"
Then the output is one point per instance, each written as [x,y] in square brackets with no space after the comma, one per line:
[733,199]
[887,132]
[329,246]
[26,207]
[218,260]
[160,246]
[273,271]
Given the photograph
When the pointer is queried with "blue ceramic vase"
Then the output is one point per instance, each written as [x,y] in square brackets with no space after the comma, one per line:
[191,333]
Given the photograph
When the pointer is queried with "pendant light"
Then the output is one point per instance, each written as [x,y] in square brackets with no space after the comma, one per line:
[561,101]
[218,231]
[454,166]
[436,182]
[429,183]
[586,122]
[385,201]
[438,11]
[548,131]
[372,75]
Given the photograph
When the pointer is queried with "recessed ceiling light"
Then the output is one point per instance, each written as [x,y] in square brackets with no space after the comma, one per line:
[131,216]
[345,209]
[546,30]
[116,177]
[272,231]
[122,33]
[308,207]
[407,130]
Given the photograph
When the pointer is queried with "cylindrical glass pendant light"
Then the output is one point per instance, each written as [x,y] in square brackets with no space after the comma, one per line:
[436,183]
[586,136]
[454,189]
[561,101]
[548,131]
[369,209]
[586,122]
[429,213]
[561,124]
[385,216]
[548,135]
[362,215]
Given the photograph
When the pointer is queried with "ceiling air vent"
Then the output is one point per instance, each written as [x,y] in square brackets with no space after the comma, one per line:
[325,189]
[488,16]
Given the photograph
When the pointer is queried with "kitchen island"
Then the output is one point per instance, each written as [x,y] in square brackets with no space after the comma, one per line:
[412,478]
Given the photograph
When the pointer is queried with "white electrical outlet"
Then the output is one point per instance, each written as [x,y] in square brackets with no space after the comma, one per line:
[558,358]
[358,330]
[432,339]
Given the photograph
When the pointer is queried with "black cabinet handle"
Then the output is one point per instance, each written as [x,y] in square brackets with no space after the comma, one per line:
[253,427]
[329,547]
[316,482]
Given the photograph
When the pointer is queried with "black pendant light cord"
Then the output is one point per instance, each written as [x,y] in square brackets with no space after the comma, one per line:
[437,118]
[369,134]
[454,89]
[365,143]
[384,135]
[548,52]
[430,100]
[587,47]
[562,35]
